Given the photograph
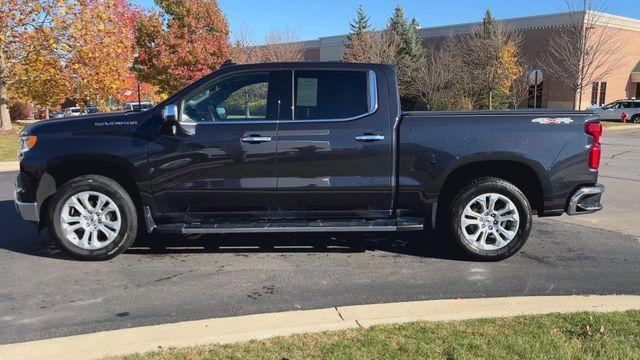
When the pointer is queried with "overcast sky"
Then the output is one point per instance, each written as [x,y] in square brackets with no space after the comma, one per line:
[311,19]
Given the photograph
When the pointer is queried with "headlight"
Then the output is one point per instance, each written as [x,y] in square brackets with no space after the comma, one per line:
[27,142]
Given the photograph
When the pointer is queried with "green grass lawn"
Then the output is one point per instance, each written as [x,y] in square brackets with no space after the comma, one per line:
[9,144]
[607,124]
[575,336]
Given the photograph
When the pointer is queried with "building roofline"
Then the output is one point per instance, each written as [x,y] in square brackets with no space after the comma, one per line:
[519,23]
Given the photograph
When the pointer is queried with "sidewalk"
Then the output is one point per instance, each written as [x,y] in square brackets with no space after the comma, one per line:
[262,326]
[9,166]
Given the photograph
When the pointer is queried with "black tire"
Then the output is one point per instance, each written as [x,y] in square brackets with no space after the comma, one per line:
[635,119]
[95,183]
[474,189]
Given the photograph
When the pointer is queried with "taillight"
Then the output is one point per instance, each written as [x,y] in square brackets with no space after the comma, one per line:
[595,130]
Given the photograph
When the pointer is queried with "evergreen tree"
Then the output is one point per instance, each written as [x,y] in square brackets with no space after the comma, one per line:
[359,26]
[492,54]
[489,25]
[406,34]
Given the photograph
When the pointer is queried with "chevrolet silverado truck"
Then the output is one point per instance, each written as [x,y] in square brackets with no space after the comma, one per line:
[305,147]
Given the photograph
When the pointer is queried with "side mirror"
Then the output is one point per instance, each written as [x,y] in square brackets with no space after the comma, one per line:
[170,113]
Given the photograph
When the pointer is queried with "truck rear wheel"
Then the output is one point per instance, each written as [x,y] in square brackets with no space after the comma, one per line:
[490,219]
[93,218]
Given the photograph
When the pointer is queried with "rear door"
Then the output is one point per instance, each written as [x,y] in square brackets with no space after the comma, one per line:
[334,144]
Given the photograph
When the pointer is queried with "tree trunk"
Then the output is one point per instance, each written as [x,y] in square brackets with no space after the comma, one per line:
[579,101]
[5,118]
[490,100]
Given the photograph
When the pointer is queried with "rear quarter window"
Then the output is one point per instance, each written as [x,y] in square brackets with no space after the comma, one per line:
[330,94]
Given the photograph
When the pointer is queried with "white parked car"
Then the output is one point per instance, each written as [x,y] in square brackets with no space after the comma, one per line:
[614,110]
[73,111]
[135,106]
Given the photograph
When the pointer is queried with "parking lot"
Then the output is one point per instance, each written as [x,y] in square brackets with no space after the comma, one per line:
[45,294]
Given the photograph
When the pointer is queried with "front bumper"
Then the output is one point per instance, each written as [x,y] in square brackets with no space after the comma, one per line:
[586,200]
[29,211]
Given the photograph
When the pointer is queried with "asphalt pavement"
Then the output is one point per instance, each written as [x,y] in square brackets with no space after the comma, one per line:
[44,294]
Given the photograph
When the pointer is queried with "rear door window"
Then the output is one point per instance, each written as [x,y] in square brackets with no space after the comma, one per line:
[331,94]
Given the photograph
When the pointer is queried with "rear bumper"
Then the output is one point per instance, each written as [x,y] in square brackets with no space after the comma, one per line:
[586,200]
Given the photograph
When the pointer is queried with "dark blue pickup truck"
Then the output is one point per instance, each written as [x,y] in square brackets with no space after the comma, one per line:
[305,147]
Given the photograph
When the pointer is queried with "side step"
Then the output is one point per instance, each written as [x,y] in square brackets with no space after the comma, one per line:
[401,224]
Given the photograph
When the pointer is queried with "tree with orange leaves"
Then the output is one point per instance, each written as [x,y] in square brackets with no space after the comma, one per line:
[101,50]
[26,28]
[185,41]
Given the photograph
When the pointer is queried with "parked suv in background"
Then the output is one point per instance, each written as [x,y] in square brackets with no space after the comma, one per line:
[614,110]
[73,111]
[135,106]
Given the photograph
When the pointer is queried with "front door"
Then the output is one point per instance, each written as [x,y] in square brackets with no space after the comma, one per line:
[334,145]
[222,161]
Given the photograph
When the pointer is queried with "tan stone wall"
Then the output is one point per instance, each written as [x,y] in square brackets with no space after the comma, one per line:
[619,85]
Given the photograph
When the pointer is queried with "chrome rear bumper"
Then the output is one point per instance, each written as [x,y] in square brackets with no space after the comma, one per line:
[586,200]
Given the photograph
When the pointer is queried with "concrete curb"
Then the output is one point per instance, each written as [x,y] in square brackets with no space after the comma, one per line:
[262,326]
[6,166]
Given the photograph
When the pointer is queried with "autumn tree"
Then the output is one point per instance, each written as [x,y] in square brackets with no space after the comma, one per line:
[129,93]
[281,46]
[186,40]
[364,45]
[245,49]
[41,78]
[491,54]
[278,46]
[582,52]
[443,79]
[372,47]
[101,50]
[519,90]
[23,26]
[405,34]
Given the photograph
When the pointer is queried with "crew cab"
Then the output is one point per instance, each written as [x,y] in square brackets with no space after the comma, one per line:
[305,147]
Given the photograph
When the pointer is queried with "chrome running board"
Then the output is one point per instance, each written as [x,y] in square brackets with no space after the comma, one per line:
[406,224]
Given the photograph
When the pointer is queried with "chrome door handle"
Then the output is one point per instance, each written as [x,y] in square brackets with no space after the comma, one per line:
[254,139]
[369,137]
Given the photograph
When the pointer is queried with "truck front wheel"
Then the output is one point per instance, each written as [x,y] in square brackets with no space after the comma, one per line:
[93,218]
[490,219]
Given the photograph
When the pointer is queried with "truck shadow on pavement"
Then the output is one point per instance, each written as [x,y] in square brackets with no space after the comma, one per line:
[22,237]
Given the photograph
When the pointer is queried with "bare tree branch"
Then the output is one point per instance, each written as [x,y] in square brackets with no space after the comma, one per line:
[583,53]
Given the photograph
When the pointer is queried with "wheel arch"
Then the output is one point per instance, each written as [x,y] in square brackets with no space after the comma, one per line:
[60,171]
[528,176]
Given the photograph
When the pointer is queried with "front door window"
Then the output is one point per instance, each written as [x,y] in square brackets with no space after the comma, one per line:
[240,97]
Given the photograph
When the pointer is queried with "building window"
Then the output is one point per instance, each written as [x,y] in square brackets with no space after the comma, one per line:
[603,93]
[638,91]
[594,94]
[535,96]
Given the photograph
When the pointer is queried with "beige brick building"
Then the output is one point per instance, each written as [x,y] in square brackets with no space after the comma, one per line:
[536,31]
